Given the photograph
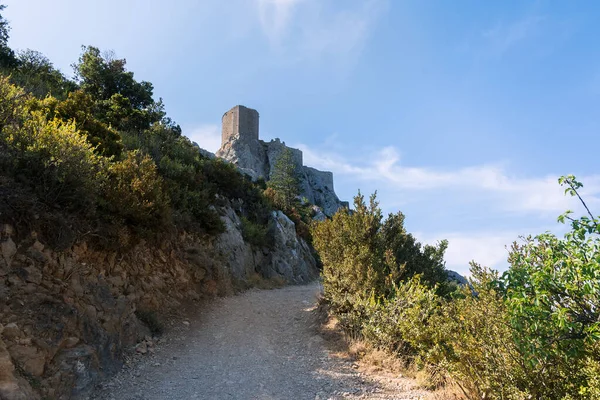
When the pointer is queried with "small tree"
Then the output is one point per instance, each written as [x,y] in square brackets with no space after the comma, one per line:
[285,181]
[7,55]
[552,293]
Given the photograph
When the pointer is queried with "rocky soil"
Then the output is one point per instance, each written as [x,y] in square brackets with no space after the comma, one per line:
[68,316]
[263,344]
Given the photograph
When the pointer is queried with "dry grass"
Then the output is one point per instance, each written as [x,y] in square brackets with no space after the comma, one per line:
[375,361]
[449,392]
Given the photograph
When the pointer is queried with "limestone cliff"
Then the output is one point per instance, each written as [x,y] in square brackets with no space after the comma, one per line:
[241,145]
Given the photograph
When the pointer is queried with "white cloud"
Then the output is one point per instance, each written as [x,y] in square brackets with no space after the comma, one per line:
[489,249]
[495,207]
[504,192]
[275,16]
[208,137]
[301,29]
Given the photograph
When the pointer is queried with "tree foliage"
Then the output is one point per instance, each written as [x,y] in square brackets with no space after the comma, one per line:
[104,148]
[365,256]
[285,180]
[79,108]
[7,55]
[36,75]
[552,292]
[49,154]
[532,333]
[121,101]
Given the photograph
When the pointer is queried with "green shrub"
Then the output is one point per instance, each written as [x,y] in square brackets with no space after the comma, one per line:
[552,294]
[353,258]
[195,183]
[255,234]
[56,160]
[411,258]
[402,322]
[135,191]
[301,226]
[532,333]
[13,103]
[364,255]
[79,107]
[475,342]
[591,371]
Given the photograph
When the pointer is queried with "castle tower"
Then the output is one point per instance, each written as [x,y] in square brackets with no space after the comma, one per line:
[240,122]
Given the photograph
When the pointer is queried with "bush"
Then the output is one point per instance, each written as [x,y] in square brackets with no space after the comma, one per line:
[401,323]
[79,107]
[552,294]
[13,104]
[353,258]
[532,333]
[364,255]
[254,233]
[475,343]
[194,183]
[135,191]
[302,228]
[55,160]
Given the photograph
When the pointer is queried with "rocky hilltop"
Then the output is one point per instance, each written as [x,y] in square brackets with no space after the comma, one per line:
[240,144]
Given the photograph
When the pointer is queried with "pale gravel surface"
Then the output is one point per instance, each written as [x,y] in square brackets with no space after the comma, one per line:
[262,344]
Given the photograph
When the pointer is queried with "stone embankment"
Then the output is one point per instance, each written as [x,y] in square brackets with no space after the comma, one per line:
[67,317]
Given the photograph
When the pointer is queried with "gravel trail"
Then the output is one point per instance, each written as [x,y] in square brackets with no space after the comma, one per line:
[262,344]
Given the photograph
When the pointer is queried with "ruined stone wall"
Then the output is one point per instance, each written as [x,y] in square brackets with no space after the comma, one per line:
[256,158]
[239,122]
[248,123]
[274,148]
[229,125]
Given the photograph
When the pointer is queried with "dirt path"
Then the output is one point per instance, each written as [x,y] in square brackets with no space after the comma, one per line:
[262,344]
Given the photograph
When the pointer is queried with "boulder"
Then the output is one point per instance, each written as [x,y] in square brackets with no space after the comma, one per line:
[237,254]
[289,258]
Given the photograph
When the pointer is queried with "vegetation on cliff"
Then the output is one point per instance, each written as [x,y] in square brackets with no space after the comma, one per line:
[285,180]
[101,148]
[532,332]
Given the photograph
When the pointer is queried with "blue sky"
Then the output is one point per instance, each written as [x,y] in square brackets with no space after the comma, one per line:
[461,114]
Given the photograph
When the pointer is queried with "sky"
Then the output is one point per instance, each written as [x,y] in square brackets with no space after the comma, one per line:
[460,114]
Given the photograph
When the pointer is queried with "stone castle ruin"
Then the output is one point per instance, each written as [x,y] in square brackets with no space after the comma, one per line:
[240,145]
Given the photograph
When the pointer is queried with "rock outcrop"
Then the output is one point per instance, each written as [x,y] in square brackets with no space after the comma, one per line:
[454,276]
[289,257]
[67,317]
[241,146]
